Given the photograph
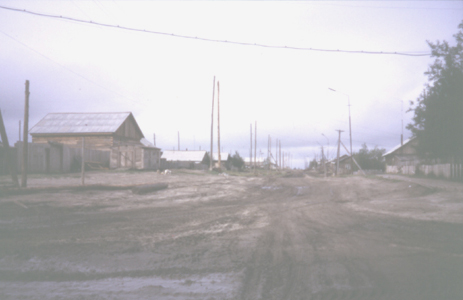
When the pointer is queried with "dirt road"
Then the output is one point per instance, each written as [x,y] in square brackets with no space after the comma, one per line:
[217,237]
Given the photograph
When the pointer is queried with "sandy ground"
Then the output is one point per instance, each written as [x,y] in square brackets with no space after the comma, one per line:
[234,237]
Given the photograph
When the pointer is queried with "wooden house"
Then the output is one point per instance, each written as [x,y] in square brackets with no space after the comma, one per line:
[117,133]
[101,131]
[402,159]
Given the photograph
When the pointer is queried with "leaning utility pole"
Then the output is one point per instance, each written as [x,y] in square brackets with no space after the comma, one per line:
[360,168]
[10,162]
[339,151]
[211,159]
[218,122]
[25,138]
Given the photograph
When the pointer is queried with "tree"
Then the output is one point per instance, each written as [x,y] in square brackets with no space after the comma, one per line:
[438,111]
[206,159]
[237,161]
[370,159]
[313,164]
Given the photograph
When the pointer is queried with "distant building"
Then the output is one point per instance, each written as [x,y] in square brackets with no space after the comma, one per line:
[403,159]
[225,160]
[345,165]
[117,133]
[173,159]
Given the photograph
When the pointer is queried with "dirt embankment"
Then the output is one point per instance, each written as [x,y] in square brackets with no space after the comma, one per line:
[218,237]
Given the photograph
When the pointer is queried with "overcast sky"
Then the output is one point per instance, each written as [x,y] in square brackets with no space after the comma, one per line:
[166,81]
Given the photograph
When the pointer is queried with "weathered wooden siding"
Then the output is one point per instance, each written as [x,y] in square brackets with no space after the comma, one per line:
[135,157]
[100,142]
[4,157]
[129,130]
[45,158]
[151,158]
[126,157]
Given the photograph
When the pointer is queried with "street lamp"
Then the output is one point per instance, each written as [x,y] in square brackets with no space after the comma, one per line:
[350,128]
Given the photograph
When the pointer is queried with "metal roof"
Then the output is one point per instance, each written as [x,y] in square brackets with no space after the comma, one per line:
[54,123]
[193,156]
[147,143]
[398,147]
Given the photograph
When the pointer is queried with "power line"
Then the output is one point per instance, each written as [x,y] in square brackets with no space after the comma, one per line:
[215,40]
[64,67]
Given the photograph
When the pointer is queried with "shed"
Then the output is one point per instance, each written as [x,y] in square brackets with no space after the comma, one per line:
[172,159]
[345,166]
[143,156]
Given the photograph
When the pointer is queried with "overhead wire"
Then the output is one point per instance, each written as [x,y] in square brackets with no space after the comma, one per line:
[414,53]
[64,67]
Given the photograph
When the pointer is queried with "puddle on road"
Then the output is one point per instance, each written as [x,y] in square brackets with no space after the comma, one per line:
[223,285]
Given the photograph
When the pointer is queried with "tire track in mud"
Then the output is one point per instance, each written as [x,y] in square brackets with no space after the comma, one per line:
[317,247]
[316,250]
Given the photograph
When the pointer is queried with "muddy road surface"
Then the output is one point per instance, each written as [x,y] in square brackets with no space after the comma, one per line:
[234,237]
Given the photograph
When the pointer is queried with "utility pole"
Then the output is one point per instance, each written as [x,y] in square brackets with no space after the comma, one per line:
[276,153]
[19,130]
[154,139]
[211,159]
[339,151]
[283,160]
[360,168]
[218,122]
[82,168]
[350,133]
[269,145]
[250,151]
[10,162]
[324,161]
[350,127]
[402,134]
[255,147]
[25,138]
[279,142]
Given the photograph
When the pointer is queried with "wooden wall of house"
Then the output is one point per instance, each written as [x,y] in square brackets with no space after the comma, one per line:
[151,158]
[4,158]
[129,157]
[129,130]
[101,142]
[46,158]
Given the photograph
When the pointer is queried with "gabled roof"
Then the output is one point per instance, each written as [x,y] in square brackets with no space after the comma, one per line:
[341,158]
[192,156]
[78,123]
[398,146]
[223,156]
[147,143]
